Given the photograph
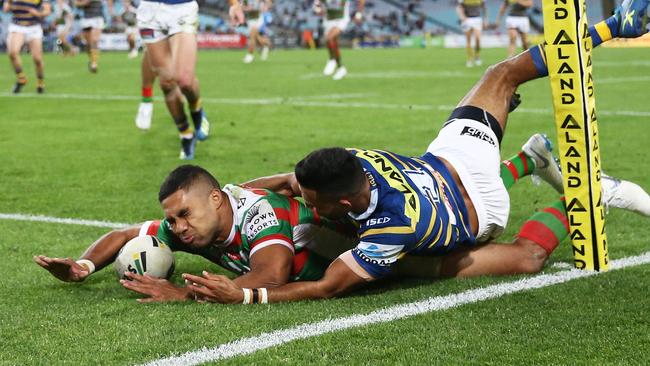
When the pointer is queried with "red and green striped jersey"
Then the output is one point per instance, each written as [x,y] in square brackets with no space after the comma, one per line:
[262,218]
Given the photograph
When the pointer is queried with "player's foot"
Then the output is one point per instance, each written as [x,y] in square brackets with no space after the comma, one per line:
[40,89]
[133,53]
[625,194]
[632,18]
[539,148]
[469,63]
[265,54]
[330,67]
[92,67]
[248,58]
[478,62]
[19,86]
[187,148]
[340,73]
[201,124]
[143,118]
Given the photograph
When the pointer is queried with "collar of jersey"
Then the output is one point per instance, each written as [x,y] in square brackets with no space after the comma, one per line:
[374,197]
[233,228]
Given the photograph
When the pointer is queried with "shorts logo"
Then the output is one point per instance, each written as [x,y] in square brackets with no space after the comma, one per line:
[146,33]
[474,132]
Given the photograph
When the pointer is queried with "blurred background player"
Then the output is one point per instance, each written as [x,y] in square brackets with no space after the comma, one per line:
[473,17]
[258,28]
[168,29]
[64,18]
[92,25]
[145,110]
[25,27]
[131,31]
[517,22]
[338,14]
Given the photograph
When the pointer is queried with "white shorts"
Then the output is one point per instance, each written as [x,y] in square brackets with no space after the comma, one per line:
[472,148]
[131,30]
[157,21]
[521,24]
[472,23]
[30,31]
[341,24]
[94,23]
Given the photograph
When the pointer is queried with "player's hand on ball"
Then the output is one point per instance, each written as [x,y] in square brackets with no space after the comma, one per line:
[65,269]
[214,288]
[157,289]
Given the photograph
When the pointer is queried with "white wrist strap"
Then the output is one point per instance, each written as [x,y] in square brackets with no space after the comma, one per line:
[88,264]
[264,296]
[247,296]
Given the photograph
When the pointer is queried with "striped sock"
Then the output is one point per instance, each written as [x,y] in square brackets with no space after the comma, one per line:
[547,227]
[184,128]
[600,32]
[515,168]
[147,94]
[196,105]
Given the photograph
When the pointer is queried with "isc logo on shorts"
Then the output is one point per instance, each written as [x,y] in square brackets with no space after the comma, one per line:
[474,132]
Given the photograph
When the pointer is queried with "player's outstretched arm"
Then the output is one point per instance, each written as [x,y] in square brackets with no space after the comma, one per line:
[285,184]
[97,256]
[338,280]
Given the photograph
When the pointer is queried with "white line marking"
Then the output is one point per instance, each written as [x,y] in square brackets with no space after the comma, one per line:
[303,102]
[395,75]
[249,345]
[61,220]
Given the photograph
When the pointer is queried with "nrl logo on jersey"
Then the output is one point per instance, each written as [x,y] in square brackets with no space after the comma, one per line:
[259,218]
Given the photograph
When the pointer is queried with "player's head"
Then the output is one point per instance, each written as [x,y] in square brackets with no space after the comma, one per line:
[330,179]
[193,204]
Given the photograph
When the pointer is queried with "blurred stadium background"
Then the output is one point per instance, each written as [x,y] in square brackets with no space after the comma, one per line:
[388,23]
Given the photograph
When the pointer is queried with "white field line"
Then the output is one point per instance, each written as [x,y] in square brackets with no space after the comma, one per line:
[306,102]
[61,220]
[249,345]
[395,75]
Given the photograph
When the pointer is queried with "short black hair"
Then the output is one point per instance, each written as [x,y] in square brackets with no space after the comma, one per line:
[332,171]
[184,177]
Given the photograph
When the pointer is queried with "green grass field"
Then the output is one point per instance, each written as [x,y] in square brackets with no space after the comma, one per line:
[76,153]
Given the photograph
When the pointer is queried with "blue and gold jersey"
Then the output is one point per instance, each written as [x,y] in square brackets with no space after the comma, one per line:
[20,11]
[416,208]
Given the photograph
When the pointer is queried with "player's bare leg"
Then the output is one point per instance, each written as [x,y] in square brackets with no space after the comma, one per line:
[184,51]
[524,40]
[160,58]
[477,47]
[91,37]
[512,44]
[469,49]
[252,42]
[15,42]
[145,110]
[36,49]
[332,40]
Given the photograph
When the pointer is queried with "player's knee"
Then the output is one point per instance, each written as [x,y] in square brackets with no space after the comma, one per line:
[533,256]
[185,81]
[167,84]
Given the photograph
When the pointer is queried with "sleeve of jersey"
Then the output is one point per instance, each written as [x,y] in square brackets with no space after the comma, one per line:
[263,227]
[162,231]
[376,259]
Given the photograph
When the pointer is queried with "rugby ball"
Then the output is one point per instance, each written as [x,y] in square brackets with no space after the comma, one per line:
[145,254]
